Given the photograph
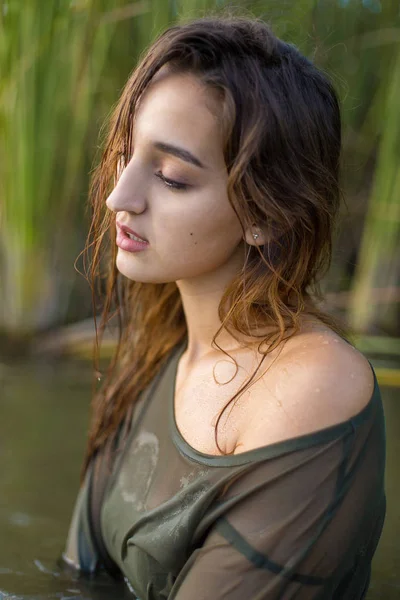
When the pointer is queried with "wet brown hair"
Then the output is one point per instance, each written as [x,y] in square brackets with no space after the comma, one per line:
[282,150]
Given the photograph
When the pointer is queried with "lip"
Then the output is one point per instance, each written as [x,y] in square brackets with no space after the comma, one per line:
[124,242]
[126,230]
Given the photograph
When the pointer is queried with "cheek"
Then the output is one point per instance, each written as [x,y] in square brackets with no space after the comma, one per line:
[218,225]
[206,228]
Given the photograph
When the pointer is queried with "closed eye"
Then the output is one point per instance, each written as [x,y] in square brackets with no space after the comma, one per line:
[175,185]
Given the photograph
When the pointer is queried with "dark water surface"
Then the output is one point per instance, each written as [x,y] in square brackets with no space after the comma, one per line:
[43,423]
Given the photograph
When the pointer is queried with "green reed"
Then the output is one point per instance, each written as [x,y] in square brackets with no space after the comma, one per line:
[62,67]
[53,59]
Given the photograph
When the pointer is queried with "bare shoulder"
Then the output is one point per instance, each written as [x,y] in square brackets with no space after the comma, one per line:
[327,367]
[320,381]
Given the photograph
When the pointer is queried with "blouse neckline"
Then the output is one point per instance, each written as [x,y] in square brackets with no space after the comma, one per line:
[273,450]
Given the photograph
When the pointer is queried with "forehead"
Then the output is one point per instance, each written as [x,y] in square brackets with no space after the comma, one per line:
[179,109]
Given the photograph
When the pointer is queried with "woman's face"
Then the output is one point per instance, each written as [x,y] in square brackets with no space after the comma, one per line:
[173,190]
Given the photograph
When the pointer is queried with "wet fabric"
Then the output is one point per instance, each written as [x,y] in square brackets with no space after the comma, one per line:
[298,519]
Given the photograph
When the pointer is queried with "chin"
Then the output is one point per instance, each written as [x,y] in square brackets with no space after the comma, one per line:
[125,265]
[137,272]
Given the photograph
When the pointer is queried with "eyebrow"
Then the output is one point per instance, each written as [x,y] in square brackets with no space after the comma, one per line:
[180,153]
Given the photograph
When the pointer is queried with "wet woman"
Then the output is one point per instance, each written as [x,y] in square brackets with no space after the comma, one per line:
[214,207]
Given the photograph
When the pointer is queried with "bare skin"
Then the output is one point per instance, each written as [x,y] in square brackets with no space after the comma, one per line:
[196,240]
[316,380]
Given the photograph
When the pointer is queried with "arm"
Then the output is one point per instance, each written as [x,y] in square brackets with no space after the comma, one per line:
[80,551]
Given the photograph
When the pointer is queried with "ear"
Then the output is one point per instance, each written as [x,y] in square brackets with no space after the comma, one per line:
[261,236]
[264,234]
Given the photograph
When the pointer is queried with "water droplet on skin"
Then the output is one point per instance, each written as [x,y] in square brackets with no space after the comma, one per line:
[317,389]
[336,341]
[325,342]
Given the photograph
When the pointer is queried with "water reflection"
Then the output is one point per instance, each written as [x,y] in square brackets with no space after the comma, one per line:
[42,434]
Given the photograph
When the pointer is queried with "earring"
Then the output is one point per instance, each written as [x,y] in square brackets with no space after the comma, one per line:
[255,235]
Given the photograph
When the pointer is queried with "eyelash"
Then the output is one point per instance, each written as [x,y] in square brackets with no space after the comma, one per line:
[170,183]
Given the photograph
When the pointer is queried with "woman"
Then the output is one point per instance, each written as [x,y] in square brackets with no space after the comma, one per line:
[218,189]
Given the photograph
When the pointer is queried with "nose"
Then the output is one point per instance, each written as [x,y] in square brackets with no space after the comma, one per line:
[128,193]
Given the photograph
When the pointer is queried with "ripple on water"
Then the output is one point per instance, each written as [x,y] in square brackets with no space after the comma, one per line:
[21,519]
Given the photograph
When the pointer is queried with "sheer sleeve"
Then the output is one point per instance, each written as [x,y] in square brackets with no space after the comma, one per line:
[80,551]
[304,525]
[85,549]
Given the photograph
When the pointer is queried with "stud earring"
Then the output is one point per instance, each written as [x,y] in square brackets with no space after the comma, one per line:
[255,235]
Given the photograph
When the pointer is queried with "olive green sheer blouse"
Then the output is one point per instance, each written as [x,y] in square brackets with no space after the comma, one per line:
[298,519]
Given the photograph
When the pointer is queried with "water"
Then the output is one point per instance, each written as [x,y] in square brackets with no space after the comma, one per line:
[44,418]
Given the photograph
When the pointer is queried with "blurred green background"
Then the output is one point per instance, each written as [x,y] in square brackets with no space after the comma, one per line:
[63,64]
